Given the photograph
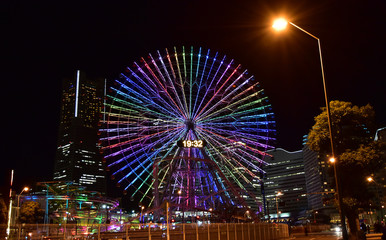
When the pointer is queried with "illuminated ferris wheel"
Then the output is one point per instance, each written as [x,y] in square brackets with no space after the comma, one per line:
[189,126]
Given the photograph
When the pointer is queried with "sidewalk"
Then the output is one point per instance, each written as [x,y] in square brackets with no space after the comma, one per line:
[316,236]
[329,236]
[374,236]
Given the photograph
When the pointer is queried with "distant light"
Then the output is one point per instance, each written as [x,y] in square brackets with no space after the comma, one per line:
[280,24]
[370,179]
[332,160]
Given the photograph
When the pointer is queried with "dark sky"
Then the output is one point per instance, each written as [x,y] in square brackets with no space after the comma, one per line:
[46,41]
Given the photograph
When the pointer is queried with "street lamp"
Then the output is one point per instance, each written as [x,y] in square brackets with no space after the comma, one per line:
[371,179]
[141,217]
[183,210]
[277,205]
[281,24]
[25,189]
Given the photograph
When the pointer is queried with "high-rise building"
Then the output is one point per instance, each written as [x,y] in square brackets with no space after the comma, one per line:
[78,159]
[320,183]
[285,185]
[314,178]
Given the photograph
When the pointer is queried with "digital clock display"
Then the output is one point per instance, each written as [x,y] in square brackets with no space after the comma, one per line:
[191,143]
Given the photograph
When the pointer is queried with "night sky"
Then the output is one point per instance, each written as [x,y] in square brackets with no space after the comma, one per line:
[46,41]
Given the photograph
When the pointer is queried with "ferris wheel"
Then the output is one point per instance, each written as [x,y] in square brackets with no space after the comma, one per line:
[189,126]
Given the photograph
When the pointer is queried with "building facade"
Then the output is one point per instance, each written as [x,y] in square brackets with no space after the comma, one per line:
[78,159]
[285,185]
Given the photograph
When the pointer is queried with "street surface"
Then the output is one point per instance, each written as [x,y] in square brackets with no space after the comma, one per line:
[329,236]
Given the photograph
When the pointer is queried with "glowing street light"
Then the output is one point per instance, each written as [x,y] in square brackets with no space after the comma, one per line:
[281,24]
[25,189]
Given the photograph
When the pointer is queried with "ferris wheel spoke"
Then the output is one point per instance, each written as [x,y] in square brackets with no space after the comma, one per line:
[230,141]
[226,160]
[191,82]
[218,91]
[246,132]
[170,82]
[144,183]
[253,158]
[147,102]
[147,136]
[235,107]
[247,164]
[210,87]
[141,149]
[138,109]
[145,90]
[231,95]
[161,85]
[181,81]
[210,83]
[198,61]
[147,161]
[166,85]
[141,92]
[200,86]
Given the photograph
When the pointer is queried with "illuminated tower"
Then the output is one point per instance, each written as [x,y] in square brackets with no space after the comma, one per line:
[77,157]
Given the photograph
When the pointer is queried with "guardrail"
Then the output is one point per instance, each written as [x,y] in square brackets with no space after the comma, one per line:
[149,231]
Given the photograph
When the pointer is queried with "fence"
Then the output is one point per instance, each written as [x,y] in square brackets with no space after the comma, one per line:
[150,231]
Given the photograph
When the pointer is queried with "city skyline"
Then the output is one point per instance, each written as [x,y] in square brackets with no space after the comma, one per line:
[45,45]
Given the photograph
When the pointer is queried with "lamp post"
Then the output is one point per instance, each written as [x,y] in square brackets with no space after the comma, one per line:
[18,209]
[141,217]
[18,201]
[370,179]
[281,24]
[183,210]
[277,205]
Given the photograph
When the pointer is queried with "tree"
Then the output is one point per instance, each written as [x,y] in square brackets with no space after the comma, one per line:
[3,217]
[358,154]
[30,212]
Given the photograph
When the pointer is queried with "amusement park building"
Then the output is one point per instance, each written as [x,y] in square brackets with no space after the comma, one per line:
[71,203]
[77,157]
[285,174]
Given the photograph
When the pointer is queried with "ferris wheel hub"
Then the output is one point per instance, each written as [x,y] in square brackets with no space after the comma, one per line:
[190,124]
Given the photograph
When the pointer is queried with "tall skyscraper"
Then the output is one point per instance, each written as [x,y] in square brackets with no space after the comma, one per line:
[77,157]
